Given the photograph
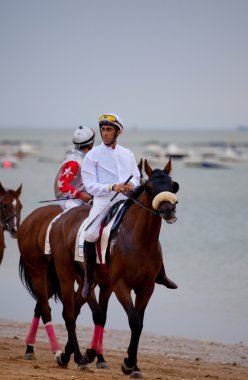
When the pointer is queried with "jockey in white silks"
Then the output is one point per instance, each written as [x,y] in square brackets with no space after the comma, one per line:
[105,170]
[68,182]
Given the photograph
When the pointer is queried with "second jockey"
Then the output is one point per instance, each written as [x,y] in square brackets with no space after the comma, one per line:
[68,182]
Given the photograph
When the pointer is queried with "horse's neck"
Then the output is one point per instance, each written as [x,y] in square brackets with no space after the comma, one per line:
[144,221]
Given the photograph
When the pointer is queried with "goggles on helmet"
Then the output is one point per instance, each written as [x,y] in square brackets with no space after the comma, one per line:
[110,119]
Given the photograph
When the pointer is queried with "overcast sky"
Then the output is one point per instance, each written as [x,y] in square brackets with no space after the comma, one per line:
[157,63]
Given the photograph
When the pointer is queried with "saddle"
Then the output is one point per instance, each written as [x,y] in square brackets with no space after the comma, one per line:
[112,213]
[109,225]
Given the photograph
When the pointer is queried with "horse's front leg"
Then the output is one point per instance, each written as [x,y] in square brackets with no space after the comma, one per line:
[67,291]
[79,301]
[99,315]
[135,318]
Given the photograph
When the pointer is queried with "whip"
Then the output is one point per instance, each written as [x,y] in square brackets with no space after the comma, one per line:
[97,216]
[57,200]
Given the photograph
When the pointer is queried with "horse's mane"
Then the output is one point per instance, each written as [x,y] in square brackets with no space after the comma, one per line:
[135,193]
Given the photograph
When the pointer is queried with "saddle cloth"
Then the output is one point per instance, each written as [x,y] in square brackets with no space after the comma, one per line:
[47,249]
[101,244]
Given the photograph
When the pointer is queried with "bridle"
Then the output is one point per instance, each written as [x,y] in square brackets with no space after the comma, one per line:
[152,211]
[6,218]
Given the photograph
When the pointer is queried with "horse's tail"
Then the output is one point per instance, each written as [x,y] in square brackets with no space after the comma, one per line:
[54,279]
[26,278]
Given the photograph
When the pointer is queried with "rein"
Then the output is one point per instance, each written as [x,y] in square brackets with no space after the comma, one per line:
[154,212]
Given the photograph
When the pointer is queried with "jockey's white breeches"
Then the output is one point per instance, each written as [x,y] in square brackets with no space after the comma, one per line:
[70,203]
[101,207]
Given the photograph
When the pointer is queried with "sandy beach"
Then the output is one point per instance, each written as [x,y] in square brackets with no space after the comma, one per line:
[160,357]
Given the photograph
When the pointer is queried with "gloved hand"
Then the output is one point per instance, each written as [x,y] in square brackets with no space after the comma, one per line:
[84,196]
[121,187]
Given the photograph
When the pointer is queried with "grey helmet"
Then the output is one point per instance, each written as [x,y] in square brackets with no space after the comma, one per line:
[83,136]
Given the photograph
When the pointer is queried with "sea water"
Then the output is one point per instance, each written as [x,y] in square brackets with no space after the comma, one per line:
[205,251]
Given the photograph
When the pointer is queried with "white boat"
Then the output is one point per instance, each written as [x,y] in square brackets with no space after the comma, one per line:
[231,155]
[204,162]
[154,153]
[174,151]
[26,150]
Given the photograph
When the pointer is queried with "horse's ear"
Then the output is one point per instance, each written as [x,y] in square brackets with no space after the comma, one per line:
[168,167]
[148,169]
[2,189]
[140,165]
[19,190]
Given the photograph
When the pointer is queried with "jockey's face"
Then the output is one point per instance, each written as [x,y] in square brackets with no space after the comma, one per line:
[109,135]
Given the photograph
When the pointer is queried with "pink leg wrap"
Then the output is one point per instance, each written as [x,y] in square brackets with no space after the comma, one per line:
[97,339]
[100,340]
[31,338]
[52,337]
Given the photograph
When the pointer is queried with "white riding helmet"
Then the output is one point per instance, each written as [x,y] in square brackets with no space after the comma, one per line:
[111,119]
[83,136]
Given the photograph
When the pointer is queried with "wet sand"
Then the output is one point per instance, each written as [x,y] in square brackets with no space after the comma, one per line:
[159,357]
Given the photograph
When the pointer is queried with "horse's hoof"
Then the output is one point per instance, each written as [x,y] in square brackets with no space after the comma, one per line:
[136,375]
[89,355]
[59,360]
[57,354]
[125,369]
[102,365]
[85,368]
[29,356]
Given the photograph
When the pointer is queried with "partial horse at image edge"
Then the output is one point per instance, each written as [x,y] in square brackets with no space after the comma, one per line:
[10,214]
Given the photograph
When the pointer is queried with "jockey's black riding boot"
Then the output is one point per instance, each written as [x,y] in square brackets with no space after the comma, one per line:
[89,262]
[162,279]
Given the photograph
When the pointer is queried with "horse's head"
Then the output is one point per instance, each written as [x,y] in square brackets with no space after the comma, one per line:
[10,209]
[162,189]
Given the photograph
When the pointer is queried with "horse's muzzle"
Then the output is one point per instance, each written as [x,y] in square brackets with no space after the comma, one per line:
[173,220]
[12,230]
[168,212]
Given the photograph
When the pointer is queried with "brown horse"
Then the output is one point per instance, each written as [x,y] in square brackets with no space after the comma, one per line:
[10,214]
[38,275]
[37,271]
[134,261]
